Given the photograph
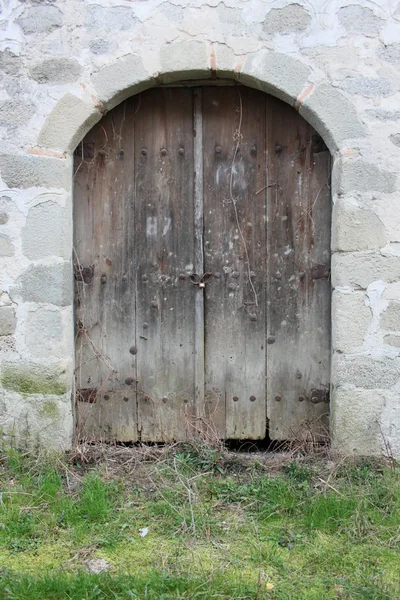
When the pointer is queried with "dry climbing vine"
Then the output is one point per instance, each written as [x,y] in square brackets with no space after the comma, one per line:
[237,136]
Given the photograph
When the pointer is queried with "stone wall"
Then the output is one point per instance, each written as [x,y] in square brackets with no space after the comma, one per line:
[64,62]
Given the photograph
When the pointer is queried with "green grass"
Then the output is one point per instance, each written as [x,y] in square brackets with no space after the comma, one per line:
[218,528]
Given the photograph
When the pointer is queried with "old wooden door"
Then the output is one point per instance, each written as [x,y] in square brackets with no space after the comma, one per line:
[202,236]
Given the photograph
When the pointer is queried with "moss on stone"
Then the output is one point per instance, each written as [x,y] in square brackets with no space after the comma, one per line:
[31,381]
[49,410]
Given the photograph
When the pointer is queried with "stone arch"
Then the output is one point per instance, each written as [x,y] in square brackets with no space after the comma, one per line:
[322,105]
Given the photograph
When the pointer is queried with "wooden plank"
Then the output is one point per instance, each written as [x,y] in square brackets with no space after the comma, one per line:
[235,243]
[105,279]
[198,251]
[165,251]
[298,315]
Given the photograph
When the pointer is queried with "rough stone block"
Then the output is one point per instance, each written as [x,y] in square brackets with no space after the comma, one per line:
[369,87]
[359,269]
[276,74]
[8,321]
[31,378]
[382,114]
[392,340]
[360,19]
[332,115]
[355,175]
[223,60]
[390,419]
[68,123]
[350,320]
[99,46]
[47,232]
[366,372]
[387,208]
[390,319]
[356,229]
[395,139]
[45,283]
[43,333]
[40,19]
[22,171]
[109,18]
[291,18]
[55,71]
[16,112]
[390,53]
[120,80]
[10,63]
[356,421]
[46,420]
[184,60]
[6,246]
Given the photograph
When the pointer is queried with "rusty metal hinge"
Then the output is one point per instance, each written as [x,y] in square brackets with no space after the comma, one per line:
[320,272]
[318,396]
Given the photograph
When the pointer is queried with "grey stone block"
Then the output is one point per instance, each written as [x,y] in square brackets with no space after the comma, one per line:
[10,63]
[390,53]
[47,232]
[365,371]
[22,171]
[350,321]
[30,379]
[381,114]
[360,19]
[395,139]
[16,112]
[43,333]
[291,18]
[390,319]
[40,19]
[392,340]
[8,320]
[50,284]
[109,18]
[359,269]
[350,175]
[68,123]
[369,87]
[356,229]
[356,421]
[99,46]
[332,115]
[120,80]
[225,60]
[184,60]
[56,71]
[275,73]
[6,246]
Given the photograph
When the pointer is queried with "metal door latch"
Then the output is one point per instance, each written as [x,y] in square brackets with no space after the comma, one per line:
[200,280]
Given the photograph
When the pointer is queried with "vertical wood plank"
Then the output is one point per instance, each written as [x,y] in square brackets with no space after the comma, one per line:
[165,254]
[298,318]
[198,249]
[105,279]
[235,232]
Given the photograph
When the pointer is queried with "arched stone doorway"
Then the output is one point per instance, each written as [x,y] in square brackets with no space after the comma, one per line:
[202,260]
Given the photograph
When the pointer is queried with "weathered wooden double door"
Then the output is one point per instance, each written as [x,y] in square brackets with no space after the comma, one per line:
[202,253]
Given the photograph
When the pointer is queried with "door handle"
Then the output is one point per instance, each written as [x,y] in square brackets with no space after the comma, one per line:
[200,280]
